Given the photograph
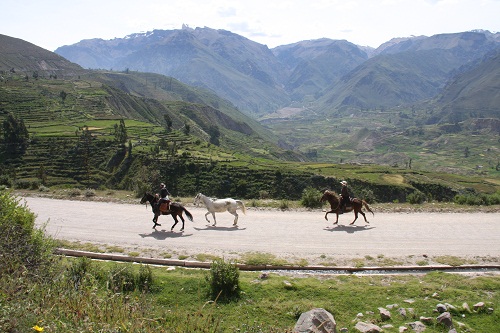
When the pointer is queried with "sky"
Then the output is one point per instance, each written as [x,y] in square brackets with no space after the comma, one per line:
[54,23]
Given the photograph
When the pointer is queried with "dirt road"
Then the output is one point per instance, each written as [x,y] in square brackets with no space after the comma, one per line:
[287,234]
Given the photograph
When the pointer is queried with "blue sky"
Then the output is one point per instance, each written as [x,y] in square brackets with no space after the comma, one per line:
[54,23]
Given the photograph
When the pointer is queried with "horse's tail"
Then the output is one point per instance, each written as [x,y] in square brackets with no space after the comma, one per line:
[367,207]
[188,214]
[242,205]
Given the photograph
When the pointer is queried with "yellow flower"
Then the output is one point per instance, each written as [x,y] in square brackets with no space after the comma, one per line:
[38,328]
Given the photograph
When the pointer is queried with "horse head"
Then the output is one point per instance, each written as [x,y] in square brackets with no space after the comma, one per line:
[329,196]
[147,197]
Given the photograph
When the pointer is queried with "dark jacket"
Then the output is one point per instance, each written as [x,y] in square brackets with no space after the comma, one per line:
[164,192]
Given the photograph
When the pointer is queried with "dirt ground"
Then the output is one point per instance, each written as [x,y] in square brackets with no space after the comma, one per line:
[293,236]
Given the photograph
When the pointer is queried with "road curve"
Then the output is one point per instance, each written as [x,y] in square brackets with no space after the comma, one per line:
[296,234]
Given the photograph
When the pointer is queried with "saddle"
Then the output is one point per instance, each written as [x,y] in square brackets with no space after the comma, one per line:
[165,206]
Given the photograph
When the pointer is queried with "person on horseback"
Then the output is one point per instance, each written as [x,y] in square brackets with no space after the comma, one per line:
[345,197]
[164,198]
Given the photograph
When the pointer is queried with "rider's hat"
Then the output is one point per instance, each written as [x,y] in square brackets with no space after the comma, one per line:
[162,185]
[343,183]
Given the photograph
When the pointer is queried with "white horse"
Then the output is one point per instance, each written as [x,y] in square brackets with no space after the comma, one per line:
[220,205]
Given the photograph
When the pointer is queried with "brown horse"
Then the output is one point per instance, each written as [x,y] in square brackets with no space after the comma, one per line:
[356,206]
[176,209]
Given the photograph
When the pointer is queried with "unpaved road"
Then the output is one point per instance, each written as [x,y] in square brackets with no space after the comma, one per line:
[288,234]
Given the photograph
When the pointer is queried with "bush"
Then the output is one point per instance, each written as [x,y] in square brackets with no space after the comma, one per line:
[310,198]
[22,246]
[223,280]
[477,199]
[416,197]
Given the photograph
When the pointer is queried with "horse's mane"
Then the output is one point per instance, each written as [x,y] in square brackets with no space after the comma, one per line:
[331,193]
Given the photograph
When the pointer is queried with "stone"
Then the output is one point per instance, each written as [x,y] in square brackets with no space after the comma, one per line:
[367,327]
[384,314]
[441,308]
[427,320]
[478,306]
[402,312]
[316,321]
[417,326]
[466,307]
[445,319]
[403,329]
[392,306]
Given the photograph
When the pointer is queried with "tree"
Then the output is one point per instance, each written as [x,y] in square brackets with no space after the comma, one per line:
[168,120]
[187,128]
[214,133]
[63,95]
[121,132]
[15,134]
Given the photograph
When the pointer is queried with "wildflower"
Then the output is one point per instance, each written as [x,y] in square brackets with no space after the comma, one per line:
[38,328]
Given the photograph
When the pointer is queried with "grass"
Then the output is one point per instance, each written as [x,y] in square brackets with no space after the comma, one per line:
[180,303]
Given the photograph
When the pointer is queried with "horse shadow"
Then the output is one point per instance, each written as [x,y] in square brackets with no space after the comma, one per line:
[164,234]
[211,227]
[349,228]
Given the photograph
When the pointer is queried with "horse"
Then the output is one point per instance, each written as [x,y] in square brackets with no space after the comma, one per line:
[356,206]
[176,209]
[220,205]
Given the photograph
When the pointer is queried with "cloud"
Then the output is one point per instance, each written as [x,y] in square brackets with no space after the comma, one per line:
[227,12]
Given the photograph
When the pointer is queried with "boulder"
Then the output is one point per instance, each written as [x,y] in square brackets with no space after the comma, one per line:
[367,327]
[316,321]
[417,326]
[445,319]
[384,314]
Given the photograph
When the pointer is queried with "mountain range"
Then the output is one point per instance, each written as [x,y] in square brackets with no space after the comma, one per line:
[330,74]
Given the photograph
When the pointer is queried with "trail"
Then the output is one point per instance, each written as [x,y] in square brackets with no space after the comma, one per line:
[287,234]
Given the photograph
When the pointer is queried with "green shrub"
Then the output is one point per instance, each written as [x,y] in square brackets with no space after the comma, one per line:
[284,204]
[122,279]
[22,246]
[311,198]
[223,280]
[416,197]
[477,199]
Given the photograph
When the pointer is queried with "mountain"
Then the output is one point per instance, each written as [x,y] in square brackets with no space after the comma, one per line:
[315,64]
[17,55]
[475,93]
[147,97]
[236,68]
[407,71]
[331,75]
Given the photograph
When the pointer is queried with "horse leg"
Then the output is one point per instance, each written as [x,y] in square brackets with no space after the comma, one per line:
[176,221]
[355,217]
[155,221]
[235,218]
[182,219]
[361,212]
[329,212]
[206,218]
[337,221]
[215,221]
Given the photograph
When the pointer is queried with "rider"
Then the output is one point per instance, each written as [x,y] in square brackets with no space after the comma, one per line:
[164,197]
[345,197]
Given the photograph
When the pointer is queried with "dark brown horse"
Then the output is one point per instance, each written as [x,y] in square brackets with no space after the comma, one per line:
[176,209]
[355,205]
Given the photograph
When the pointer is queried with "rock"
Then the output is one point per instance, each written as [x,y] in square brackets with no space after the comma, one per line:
[391,306]
[402,312]
[466,307]
[445,319]
[452,331]
[450,308]
[344,330]
[264,276]
[384,314]
[417,326]
[387,326]
[478,306]
[316,321]
[489,310]
[367,327]
[435,295]
[427,320]
[403,329]
[409,301]
[288,285]
[441,308]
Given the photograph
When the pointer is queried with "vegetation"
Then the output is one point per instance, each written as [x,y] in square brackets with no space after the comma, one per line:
[41,291]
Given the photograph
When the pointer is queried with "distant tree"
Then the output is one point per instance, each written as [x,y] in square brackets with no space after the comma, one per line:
[168,120]
[121,132]
[466,152]
[86,145]
[15,134]
[63,95]
[187,128]
[214,133]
